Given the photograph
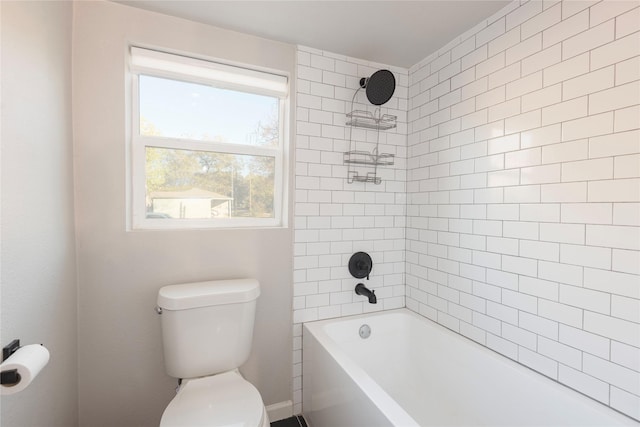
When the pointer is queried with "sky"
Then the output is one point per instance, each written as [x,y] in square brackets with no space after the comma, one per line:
[181,109]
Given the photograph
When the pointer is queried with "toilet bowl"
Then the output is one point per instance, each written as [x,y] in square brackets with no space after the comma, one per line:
[222,400]
[207,329]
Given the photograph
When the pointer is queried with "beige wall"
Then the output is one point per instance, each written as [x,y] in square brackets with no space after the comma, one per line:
[38,245]
[121,374]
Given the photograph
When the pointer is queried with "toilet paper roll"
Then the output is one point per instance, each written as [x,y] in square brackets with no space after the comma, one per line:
[29,361]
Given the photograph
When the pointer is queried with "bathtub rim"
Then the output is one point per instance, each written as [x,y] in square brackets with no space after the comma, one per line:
[398,415]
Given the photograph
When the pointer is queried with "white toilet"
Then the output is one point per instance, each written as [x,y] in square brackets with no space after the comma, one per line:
[207,329]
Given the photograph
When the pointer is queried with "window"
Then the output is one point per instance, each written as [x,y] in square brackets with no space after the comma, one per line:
[207,143]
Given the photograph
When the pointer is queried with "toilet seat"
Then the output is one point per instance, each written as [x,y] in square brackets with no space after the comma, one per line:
[222,400]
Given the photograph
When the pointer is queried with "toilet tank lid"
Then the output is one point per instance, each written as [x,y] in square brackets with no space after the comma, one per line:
[203,294]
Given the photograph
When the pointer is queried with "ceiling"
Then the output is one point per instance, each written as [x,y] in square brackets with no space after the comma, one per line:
[392,32]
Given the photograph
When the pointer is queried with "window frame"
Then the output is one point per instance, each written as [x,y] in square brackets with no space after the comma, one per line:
[139,144]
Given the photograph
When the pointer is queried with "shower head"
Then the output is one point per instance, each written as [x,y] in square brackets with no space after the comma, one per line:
[379,87]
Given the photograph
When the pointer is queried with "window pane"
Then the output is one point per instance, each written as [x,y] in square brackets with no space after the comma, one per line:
[185,184]
[177,109]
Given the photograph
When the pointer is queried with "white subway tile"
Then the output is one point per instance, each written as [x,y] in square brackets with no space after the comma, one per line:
[588,40]
[520,230]
[490,32]
[564,111]
[627,71]
[563,233]
[519,336]
[503,178]
[627,166]
[489,163]
[614,374]
[607,10]
[540,174]
[524,49]
[502,346]
[560,352]
[585,298]
[541,22]
[584,383]
[626,261]
[560,272]
[617,51]
[523,13]
[488,195]
[523,122]
[588,170]
[541,60]
[502,312]
[625,308]
[588,83]
[505,109]
[614,236]
[504,41]
[463,48]
[624,402]
[615,98]
[490,98]
[503,144]
[541,136]
[522,194]
[537,362]
[619,190]
[539,325]
[566,69]
[562,313]
[587,127]
[626,214]
[502,279]
[537,287]
[617,329]
[625,355]
[499,245]
[565,29]
[569,192]
[475,57]
[587,213]
[615,144]
[612,282]
[540,250]
[504,75]
[588,256]
[628,23]
[540,212]
[585,341]
[565,152]
[502,211]
[523,158]
[542,98]
[528,267]
[524,85]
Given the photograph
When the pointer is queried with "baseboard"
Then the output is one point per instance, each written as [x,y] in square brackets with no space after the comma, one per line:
[280,411]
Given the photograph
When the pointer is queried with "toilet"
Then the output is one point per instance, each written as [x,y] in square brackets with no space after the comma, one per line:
[207,328]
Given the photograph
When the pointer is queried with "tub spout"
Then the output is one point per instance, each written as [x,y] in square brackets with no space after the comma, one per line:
[361,289]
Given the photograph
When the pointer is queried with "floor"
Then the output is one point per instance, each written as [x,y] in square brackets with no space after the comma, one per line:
[295,421]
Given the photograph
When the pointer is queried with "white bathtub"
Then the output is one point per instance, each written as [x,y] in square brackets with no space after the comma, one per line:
[414,372]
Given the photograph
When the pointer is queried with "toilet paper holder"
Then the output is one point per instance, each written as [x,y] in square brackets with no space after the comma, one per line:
[10,376]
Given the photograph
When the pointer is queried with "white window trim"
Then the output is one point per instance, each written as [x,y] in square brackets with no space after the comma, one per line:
[139,143]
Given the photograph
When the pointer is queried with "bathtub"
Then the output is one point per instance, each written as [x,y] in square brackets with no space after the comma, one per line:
[411,371]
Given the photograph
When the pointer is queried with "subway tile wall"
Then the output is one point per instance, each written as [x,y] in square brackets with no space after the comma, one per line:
[523,191]
[512,212]
[334,219]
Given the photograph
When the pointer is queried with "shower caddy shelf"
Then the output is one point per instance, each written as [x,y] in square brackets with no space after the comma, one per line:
[368,120]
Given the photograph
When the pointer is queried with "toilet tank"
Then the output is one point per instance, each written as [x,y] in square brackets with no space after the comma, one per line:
[207,327]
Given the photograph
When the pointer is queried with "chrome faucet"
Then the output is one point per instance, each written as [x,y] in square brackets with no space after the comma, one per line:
[361,289]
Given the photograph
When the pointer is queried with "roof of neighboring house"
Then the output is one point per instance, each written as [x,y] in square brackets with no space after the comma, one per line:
[193,193]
